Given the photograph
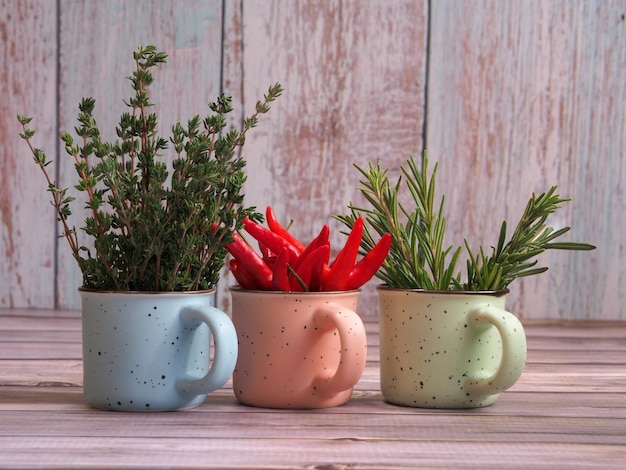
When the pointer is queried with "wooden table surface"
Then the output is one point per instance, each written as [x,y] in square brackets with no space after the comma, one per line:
[568,410]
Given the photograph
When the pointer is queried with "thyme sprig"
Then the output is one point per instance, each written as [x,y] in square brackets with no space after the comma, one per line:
[419,258]
[150,231]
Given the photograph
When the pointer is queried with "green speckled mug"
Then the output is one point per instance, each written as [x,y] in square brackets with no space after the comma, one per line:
[447,349]
[151,351]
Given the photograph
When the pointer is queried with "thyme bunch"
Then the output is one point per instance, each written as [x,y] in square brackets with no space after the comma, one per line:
[419,258]
[152,231]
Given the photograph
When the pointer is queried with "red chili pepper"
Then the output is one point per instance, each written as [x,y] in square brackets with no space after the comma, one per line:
[366,268]
[278,229]
[322,239]
[280,279]
[267,255]
[241,276]
[343,264]
[323,256]
[251,262]
[310,270]
[271,240]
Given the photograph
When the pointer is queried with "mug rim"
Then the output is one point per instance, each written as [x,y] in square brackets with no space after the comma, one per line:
[238,288]
[147,292]
[493,293]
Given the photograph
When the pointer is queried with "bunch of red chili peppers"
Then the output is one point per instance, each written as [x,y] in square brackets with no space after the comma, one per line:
[286,264]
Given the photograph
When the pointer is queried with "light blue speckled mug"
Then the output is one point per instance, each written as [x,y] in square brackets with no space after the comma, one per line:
[151,351]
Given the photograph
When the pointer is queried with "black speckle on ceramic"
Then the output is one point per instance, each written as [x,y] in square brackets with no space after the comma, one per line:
[446,351]
[297,350]
[136,353]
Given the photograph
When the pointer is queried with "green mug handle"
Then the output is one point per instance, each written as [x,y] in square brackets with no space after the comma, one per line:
[514,349]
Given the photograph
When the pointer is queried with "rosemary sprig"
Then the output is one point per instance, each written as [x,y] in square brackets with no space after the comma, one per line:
[515,258]
[419,258]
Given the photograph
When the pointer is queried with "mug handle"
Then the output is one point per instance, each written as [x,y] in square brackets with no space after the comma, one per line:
[513,358]
[353,347]
[225,354]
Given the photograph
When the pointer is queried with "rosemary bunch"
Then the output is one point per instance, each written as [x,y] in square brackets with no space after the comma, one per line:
[152,231]
[515,258]
[419,258]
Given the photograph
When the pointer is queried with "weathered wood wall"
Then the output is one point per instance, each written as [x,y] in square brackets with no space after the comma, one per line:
[508,97]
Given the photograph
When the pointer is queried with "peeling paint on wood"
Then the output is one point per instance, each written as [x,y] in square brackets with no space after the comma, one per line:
[524,96]
[27,79]
[519,96]
[190,32]
[353,74]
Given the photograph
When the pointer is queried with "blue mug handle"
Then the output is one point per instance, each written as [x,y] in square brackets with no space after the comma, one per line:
[226,348]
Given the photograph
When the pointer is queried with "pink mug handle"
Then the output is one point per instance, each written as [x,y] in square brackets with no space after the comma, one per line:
[353,347]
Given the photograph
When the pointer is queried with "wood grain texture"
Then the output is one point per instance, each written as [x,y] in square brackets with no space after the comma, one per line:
[522,96]
[232,85]
[519,96]
[566,411]
[97,42]
[353,74]
[28,69]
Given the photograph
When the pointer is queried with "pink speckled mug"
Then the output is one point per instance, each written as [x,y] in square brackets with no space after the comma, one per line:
[297,350]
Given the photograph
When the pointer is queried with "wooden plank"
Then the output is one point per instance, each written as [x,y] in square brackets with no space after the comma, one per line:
[348,452]
[613,346]
[42,372]
[23,346]
[354,78]
[565,414]
[578,329]
[40,336]
[539,90]
[521,96]
[41,323]
[18,350]
[37,313]
[95,61]
[59,399]
[311,425]
[28,80]
[232,85]
[589,375]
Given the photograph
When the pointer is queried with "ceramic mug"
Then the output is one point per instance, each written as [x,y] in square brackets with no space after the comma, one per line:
[448,349]
[151,351]
[297,350]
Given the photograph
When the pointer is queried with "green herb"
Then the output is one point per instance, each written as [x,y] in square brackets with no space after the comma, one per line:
[152,231]
[419,259]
